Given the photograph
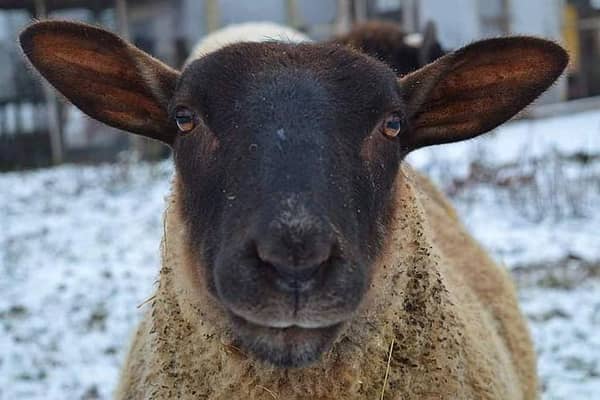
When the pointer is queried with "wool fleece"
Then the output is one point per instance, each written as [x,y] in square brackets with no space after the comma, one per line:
[440,321]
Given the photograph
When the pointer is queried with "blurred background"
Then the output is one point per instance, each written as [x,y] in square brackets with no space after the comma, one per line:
[81,204]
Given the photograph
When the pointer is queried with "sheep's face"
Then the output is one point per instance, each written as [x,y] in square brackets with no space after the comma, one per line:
[287,157]
[286,169]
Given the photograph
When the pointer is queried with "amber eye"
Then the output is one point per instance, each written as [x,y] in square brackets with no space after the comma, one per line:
[186,119]
[392,125]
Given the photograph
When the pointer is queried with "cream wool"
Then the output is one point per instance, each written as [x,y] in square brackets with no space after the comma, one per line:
[246,32]
[451,312]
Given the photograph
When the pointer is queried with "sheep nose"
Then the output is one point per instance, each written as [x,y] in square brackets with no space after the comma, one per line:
[295,260]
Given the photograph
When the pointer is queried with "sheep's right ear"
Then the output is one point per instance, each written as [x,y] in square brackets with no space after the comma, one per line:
[106,77]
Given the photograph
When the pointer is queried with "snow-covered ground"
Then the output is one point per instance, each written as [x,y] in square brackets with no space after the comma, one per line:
[79,254]
[528,191]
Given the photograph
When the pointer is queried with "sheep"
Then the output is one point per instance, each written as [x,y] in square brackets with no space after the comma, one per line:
[387,42]
[302,258]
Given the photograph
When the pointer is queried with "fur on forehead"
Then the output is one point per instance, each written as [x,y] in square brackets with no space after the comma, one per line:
[333,65]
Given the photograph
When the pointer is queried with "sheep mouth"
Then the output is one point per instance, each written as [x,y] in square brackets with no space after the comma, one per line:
[284,326]
[289,346]
[249,318]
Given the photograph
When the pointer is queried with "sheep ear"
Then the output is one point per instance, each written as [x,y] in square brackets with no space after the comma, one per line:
[106,77]
[473,90]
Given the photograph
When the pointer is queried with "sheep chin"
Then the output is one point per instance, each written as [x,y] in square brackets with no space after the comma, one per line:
[289,347]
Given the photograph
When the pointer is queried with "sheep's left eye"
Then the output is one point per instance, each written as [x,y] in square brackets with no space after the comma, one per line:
[392,125]
[185,119]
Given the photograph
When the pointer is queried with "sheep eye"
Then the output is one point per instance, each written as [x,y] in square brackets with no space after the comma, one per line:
[185,119]
[392,125]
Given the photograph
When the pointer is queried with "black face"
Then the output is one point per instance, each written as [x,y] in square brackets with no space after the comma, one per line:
[287,158]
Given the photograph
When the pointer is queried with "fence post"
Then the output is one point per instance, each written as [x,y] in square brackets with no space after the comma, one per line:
[343,20]
[410,16]
[56,136]
[213,17]
[360,11]
[292,14]
[122,22]
[138,143]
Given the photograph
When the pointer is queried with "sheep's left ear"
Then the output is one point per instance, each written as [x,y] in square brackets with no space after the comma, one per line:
[104,76]
[474,89]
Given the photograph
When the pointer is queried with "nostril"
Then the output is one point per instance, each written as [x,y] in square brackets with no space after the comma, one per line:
[307,255]
[291,271]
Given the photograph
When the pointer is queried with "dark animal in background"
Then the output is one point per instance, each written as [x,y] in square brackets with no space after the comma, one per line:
[386,41]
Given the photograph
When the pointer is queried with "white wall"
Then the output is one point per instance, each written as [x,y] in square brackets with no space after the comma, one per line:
[234,11]
[459,23]
[457,20]
[537,17]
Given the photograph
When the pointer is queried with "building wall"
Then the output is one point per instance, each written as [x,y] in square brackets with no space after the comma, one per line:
[457,20]
[537,17]
[234,11]
[459,23]
[311,13]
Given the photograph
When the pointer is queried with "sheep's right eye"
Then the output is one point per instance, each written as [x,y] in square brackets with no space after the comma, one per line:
[186,119]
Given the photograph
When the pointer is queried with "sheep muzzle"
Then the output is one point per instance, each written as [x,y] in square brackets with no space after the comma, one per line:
[289,287]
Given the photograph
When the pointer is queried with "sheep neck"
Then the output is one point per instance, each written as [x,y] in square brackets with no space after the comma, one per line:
[408,305]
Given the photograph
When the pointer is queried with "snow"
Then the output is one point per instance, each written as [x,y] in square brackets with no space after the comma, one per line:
[564,324]
[531,138]
[79,252]
[554,215]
